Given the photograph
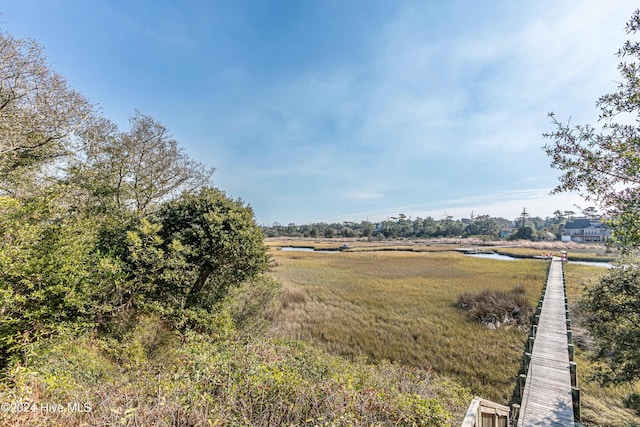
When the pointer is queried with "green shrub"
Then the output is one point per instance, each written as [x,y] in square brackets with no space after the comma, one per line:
[611,308]
[47,272]
[633,402]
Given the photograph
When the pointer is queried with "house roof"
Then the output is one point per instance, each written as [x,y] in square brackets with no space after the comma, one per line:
[580,223]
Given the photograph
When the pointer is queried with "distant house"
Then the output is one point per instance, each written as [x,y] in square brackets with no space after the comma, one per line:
[585,230]
[548,236]
[505,232]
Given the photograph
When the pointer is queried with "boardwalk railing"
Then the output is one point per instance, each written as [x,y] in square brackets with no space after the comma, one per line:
[528,348]
[547,391]
[547,384]
[484,413]
[573,366]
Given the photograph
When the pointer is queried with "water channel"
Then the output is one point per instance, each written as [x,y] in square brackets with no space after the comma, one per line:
[510,258]
[487,256]
[303,249]
[495,256]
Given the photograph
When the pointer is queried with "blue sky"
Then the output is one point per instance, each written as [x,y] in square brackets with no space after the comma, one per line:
[347,110]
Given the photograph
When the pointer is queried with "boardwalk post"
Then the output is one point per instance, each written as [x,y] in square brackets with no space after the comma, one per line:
[573,368]
[522,379]
[571,352]
[515,412]
[575,396]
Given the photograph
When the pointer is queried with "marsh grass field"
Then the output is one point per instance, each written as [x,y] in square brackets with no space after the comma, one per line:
[400,306]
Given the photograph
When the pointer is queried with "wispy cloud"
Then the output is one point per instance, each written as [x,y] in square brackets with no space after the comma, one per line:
[413,107]
[523,195]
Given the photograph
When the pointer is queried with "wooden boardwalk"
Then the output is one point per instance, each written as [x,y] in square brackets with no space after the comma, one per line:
[547,399]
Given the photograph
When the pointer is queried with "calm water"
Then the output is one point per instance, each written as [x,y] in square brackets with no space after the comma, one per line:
[292,249]
[495,256]
[594,264]
[508,258]
[488,256]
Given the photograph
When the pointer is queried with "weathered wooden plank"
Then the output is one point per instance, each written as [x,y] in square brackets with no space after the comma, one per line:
[485,413]
[546,398]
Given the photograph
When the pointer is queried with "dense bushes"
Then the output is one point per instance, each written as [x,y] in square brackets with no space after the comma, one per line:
[58,270]
[98,224]
[47,272]
[611,308]
[195,380]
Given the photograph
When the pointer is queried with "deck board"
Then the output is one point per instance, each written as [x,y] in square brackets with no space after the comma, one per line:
[546,399]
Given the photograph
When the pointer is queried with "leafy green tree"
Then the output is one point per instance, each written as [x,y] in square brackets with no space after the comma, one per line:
[140,269]
[604,165]
[347,232]
[524,215]
[449,227]
[429,227]
[558,217]
[523,233]
[220,241]
[366,228]
[483,225]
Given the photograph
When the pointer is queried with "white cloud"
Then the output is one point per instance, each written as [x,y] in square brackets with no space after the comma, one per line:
[435,100]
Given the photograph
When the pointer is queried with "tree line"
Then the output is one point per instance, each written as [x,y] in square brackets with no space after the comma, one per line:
[480,226]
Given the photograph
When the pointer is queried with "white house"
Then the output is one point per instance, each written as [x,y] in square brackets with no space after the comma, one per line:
[585,230]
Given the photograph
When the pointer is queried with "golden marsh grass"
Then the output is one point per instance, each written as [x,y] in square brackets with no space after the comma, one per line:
[400,306]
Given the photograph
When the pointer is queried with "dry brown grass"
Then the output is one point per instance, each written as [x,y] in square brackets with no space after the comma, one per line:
[495,309]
